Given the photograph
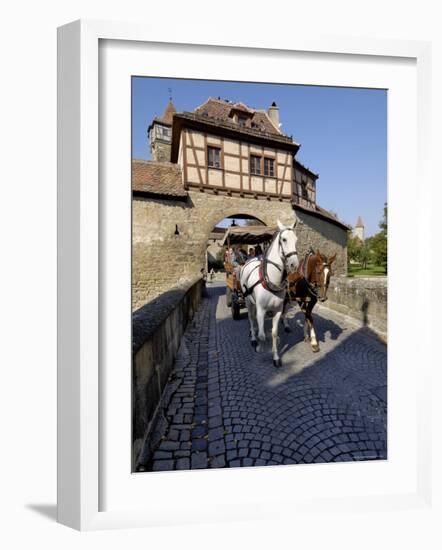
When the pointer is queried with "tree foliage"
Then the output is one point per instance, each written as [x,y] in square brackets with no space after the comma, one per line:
[372,250]
[354,245]
[358,251]
[378,246]
[383,223]
[379,241]
[364,254]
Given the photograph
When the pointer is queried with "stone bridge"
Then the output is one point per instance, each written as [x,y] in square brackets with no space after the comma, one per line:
[225,405]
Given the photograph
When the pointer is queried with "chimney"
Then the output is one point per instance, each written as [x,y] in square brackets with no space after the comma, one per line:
[273,113]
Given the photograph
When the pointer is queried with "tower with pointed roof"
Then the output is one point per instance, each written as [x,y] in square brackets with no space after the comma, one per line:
[160,134]
[359,229]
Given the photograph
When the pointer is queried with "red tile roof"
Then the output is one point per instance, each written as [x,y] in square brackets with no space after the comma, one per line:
[167,116]
[220,110]
[298,164]
[157,178]
[319,212]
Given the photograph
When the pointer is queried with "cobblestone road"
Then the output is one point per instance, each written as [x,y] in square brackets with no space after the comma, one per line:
[226,405]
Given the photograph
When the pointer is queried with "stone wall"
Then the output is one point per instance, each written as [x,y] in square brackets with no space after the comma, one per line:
[162,259]
[364,299]
[157,329]
[325,236]
[161,151]
[213,249]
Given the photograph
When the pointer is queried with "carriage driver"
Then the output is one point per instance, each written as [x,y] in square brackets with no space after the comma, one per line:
[238,259]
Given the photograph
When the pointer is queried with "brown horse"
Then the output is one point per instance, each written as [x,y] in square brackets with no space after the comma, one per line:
[308,284]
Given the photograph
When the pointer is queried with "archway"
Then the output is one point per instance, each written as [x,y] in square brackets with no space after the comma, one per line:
[214,259]
[170,237]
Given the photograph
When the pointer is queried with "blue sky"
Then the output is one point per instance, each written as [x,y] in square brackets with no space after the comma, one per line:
[342,132]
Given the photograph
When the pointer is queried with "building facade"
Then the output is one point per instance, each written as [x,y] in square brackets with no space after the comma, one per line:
[222,159]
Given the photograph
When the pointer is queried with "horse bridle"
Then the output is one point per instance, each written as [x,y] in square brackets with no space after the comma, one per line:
[284,257]
[314,288]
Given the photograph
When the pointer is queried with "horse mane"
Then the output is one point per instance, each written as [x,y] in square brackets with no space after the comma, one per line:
[316,257]
[305,266]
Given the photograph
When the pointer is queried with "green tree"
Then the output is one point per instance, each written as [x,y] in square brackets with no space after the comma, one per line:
[354,245]
[379,242]
[378,245]
[383,225]
[364,254]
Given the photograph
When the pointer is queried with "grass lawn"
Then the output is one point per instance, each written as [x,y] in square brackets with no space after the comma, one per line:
[356,270]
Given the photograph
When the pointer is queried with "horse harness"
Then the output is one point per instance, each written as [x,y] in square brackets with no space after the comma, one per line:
[312,290]
[262,267]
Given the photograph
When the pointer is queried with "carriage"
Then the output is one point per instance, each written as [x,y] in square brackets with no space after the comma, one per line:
[242,236]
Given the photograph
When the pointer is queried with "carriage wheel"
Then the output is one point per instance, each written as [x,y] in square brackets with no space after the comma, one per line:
[236,310]
[228,296]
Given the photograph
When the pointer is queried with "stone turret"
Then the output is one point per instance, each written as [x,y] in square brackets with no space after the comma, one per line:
[160,134]
[359,229]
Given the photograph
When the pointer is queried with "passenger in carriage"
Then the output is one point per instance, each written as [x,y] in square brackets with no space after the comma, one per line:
[229,256]
[258,252]
[239,258]
[242,256]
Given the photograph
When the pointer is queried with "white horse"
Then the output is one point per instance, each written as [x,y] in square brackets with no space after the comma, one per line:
[264,287]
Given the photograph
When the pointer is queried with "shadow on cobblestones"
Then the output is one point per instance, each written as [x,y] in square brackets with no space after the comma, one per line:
[228,406]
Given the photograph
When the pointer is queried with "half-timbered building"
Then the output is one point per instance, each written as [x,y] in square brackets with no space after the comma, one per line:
[220,160]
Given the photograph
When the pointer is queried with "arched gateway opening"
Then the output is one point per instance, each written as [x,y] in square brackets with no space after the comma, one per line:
[214,260]
[170,238]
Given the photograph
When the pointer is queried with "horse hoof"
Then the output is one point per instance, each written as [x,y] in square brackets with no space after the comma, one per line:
[315,349]
[277,363]
[254,345]
[287,329]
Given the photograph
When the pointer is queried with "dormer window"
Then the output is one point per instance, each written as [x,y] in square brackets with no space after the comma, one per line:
[240,116]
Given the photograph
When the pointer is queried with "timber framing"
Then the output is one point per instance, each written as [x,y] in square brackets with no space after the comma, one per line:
[234,171]
[236,192]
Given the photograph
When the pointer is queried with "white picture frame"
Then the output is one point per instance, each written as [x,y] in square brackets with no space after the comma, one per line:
[80,445]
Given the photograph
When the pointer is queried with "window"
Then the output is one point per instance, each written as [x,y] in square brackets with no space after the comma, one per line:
[242,120]
[163,132]
[304,192]
[269,167]
[214,157]
[255,165]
